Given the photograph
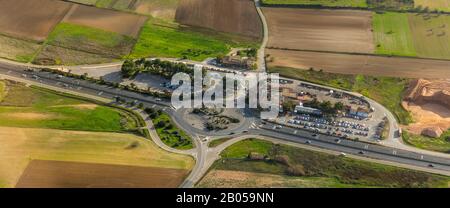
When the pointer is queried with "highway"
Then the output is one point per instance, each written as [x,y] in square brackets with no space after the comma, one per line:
[201,153]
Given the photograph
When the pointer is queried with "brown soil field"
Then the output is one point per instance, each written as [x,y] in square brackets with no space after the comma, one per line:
[360,64]
[231,16]
[109,20]
[31,19]
[56,174]
[321,30]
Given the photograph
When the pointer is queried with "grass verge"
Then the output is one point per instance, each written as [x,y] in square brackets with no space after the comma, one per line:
[303,164]
[40,108]
[170,134]
[165,39]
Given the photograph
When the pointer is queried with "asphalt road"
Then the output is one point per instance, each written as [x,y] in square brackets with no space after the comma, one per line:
[285,133]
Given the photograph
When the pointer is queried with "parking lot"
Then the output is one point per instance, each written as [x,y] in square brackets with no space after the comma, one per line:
[367,126]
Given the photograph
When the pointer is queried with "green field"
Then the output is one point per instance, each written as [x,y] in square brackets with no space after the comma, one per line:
[387,91]
[170,134]
[431,35]
[441,144]
[336,170]
[392,34]
[328,3]
[30,107]
[410,34]
[160,39]
[90,40]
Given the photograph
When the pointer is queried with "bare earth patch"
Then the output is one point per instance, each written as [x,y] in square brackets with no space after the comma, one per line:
[79,106]
[321,30]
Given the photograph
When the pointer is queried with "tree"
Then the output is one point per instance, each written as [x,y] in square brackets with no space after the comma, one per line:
[161,124]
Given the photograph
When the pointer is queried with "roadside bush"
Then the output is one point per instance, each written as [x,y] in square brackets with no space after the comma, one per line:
[296,170]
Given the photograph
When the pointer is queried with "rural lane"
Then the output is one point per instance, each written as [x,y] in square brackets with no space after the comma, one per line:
[262,50]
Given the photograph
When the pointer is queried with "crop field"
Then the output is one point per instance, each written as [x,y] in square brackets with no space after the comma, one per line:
[109,20]
[241,16]
[422,35]
[360,64]
[392,34]
[90,40]
[442,5]
[431,35]
[327,3]
[320,30]
[165,39]
[31,107]
[36,23]
[16,49]
[55,174]
[21,145]
[297,167]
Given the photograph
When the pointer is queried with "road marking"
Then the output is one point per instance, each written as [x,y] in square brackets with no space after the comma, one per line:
[295,132]
[421,157]
[100,93]
[366,147]
[394,152]
[153,106]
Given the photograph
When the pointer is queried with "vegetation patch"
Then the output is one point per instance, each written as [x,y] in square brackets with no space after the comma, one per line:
[34,107]
[412,34]
[162,39]
[18,50]
[296,162]
[388,91]
[441,144]
[169,133]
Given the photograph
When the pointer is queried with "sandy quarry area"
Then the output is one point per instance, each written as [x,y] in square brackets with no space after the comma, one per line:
[429,102]
[321,30]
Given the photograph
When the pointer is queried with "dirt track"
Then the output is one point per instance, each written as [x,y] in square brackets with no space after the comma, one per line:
[361,64]
[321,30]
[54,174]
[31,19]
[232,16]
[109,20]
